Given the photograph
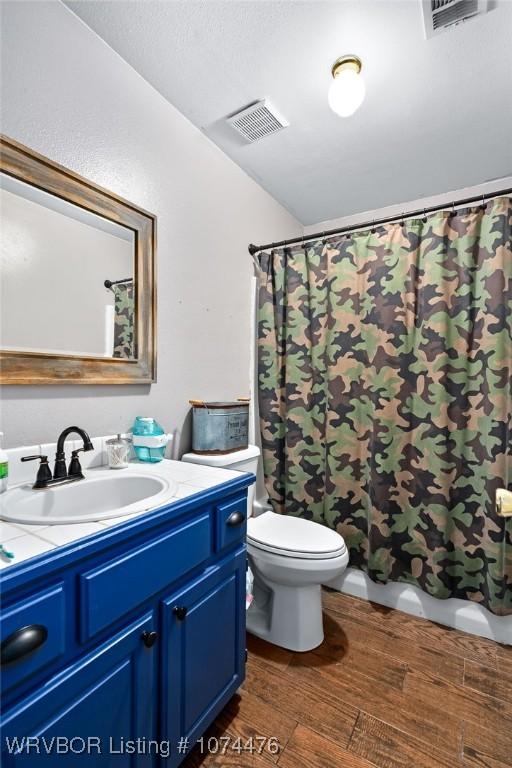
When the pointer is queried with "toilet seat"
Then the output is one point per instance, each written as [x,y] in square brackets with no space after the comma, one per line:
[293,537]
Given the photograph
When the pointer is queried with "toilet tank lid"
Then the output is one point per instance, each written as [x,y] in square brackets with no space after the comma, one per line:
[223,459]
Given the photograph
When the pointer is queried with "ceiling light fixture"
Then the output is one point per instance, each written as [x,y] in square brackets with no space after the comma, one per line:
[347,90]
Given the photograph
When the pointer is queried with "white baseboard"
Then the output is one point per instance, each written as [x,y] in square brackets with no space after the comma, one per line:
[459,614]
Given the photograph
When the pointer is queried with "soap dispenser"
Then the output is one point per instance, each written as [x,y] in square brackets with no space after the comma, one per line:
[4,467]
[149,439]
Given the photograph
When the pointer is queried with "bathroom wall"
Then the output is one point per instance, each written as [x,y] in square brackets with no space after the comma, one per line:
[445,198]
[66,94]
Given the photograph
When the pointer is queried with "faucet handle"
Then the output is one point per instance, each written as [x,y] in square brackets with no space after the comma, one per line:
[44,473]
[75,468]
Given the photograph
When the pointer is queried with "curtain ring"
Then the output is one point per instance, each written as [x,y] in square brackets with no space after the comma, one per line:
[484,204]
[373,227]
[453,209]
[402,222]
[323,238]
[424,219]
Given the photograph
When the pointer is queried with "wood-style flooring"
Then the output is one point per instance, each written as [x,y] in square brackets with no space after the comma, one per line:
[385,689]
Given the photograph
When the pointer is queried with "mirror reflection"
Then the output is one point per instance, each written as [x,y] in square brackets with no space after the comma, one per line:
[66,277]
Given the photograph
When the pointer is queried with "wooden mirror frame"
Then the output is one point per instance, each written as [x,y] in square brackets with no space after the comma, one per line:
[49,368]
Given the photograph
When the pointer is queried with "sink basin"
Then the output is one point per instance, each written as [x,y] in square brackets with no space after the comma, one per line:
[95,498]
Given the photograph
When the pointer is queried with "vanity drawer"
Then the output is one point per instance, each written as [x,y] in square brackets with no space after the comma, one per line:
[33,634]
[231,522]
[113,589]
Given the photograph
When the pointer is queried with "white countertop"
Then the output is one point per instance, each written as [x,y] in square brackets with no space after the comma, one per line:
[26,541]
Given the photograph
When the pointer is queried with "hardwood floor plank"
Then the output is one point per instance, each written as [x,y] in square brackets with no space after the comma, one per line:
[310,703]
[471,705]
[198,759]
[496,683]
[228,760]
[486,747]
[505,652]
[365,639]
[271,654]
[307,749]
[504,663]
[337,649]
[388,747]
[423,719]
[420,630]
[477,760]
[235,761]
[247,717]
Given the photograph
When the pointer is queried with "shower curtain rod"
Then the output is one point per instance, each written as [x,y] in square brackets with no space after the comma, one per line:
[253,249]
[110,283]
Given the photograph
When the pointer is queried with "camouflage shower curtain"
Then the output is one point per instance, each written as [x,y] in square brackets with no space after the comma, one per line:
[124,329]
[385,362]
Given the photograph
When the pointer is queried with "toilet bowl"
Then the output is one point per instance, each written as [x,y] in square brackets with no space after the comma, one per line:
[290,559]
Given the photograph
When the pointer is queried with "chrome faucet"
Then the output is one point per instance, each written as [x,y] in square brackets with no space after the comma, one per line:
[62,475]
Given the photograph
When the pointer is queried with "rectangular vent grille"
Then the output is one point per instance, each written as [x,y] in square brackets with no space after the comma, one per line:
[453,13]
[257,121]
[439,15]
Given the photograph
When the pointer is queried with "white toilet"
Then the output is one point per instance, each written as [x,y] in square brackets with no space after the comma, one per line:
[290,559]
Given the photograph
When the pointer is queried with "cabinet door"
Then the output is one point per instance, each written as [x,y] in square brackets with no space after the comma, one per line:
[96,707]
[203,650]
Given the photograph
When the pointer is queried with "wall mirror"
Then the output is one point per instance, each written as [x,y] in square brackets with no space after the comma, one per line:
[77,293]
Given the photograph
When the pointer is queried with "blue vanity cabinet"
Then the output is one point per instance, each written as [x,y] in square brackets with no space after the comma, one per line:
[141,637]
[203,651]
[95,707]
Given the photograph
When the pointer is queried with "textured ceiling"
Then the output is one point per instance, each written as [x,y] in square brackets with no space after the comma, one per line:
[437,114]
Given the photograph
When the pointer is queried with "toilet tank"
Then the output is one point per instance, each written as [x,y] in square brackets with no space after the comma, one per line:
[245,460]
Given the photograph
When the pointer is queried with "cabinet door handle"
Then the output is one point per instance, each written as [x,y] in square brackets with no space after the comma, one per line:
[22,642]
[180,611]
[235,518]
[149,638]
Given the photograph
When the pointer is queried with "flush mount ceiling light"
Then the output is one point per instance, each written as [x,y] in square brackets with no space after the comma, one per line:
[346,92]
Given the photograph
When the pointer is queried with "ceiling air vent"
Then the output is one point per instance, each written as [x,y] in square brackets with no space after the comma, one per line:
[257,121]
[438,15]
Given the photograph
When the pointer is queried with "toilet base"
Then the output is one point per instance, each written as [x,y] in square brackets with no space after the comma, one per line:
[288,616]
